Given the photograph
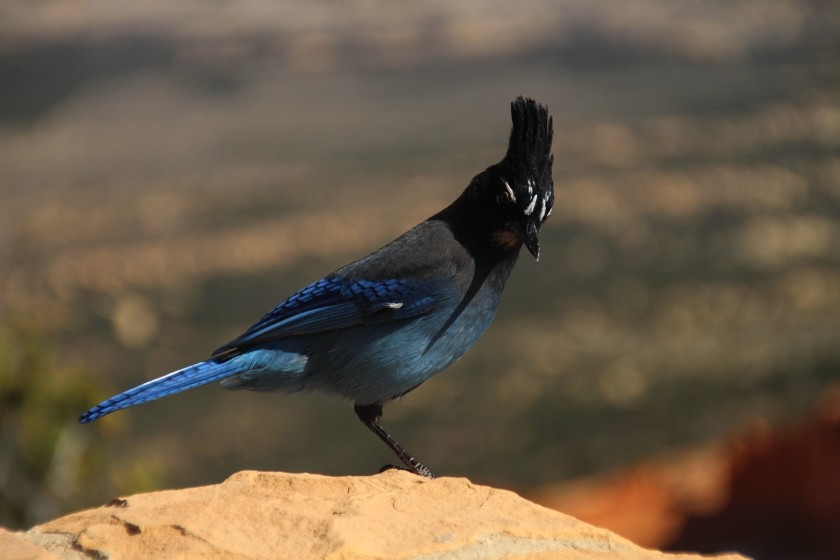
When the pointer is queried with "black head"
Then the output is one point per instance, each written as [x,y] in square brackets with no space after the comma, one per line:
[514,197]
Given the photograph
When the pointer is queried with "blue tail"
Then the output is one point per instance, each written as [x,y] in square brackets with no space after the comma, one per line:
[177,381]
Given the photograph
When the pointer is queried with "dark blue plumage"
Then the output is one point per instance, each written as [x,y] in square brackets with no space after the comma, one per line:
[379,327]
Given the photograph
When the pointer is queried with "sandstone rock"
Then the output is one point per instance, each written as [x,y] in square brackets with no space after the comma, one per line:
[14,547]
[393,515]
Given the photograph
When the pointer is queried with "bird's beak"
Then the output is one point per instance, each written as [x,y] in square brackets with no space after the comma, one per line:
[527,232]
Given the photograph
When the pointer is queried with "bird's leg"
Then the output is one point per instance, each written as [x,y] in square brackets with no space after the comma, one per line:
[370,414]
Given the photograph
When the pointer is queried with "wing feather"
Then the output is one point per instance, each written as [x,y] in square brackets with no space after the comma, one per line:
[335,303]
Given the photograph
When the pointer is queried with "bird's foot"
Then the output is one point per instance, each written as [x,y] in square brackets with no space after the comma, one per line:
[421,471]
[419,468]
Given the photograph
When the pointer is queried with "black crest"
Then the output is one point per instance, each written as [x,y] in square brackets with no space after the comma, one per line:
[529,147]
[526,169]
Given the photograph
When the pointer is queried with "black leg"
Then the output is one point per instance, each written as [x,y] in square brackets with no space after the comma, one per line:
[370,414]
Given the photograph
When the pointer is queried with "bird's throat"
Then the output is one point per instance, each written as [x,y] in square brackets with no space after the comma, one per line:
[506,240]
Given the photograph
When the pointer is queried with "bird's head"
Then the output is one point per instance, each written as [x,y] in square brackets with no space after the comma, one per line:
[514,197]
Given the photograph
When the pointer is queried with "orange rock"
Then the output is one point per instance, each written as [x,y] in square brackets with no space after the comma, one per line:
[768,492]
[300,516]
[13,546]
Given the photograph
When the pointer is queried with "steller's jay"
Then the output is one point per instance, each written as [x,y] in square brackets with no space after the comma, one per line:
[379,327]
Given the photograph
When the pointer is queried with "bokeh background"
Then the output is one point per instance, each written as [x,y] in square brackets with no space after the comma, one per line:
[171,170]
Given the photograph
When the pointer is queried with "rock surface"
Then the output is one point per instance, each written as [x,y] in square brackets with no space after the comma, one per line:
[393,515]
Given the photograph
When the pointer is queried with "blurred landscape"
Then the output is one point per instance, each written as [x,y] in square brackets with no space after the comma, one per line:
[170,171]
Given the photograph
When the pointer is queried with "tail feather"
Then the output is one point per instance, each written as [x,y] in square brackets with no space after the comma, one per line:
[175,382]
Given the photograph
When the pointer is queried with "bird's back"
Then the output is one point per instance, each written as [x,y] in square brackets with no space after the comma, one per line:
[378,362]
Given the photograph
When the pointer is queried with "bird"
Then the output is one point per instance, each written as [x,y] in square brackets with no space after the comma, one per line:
[377,328]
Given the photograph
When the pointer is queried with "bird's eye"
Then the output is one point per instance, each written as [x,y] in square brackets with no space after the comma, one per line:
[506,196]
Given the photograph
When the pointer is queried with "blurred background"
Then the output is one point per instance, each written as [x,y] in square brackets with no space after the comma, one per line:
[169,171]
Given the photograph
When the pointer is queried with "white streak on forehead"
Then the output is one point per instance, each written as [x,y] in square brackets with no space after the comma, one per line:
[530,209]
[542,210]
[510,195]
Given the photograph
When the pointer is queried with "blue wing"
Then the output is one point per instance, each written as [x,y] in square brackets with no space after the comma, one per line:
[336,303]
